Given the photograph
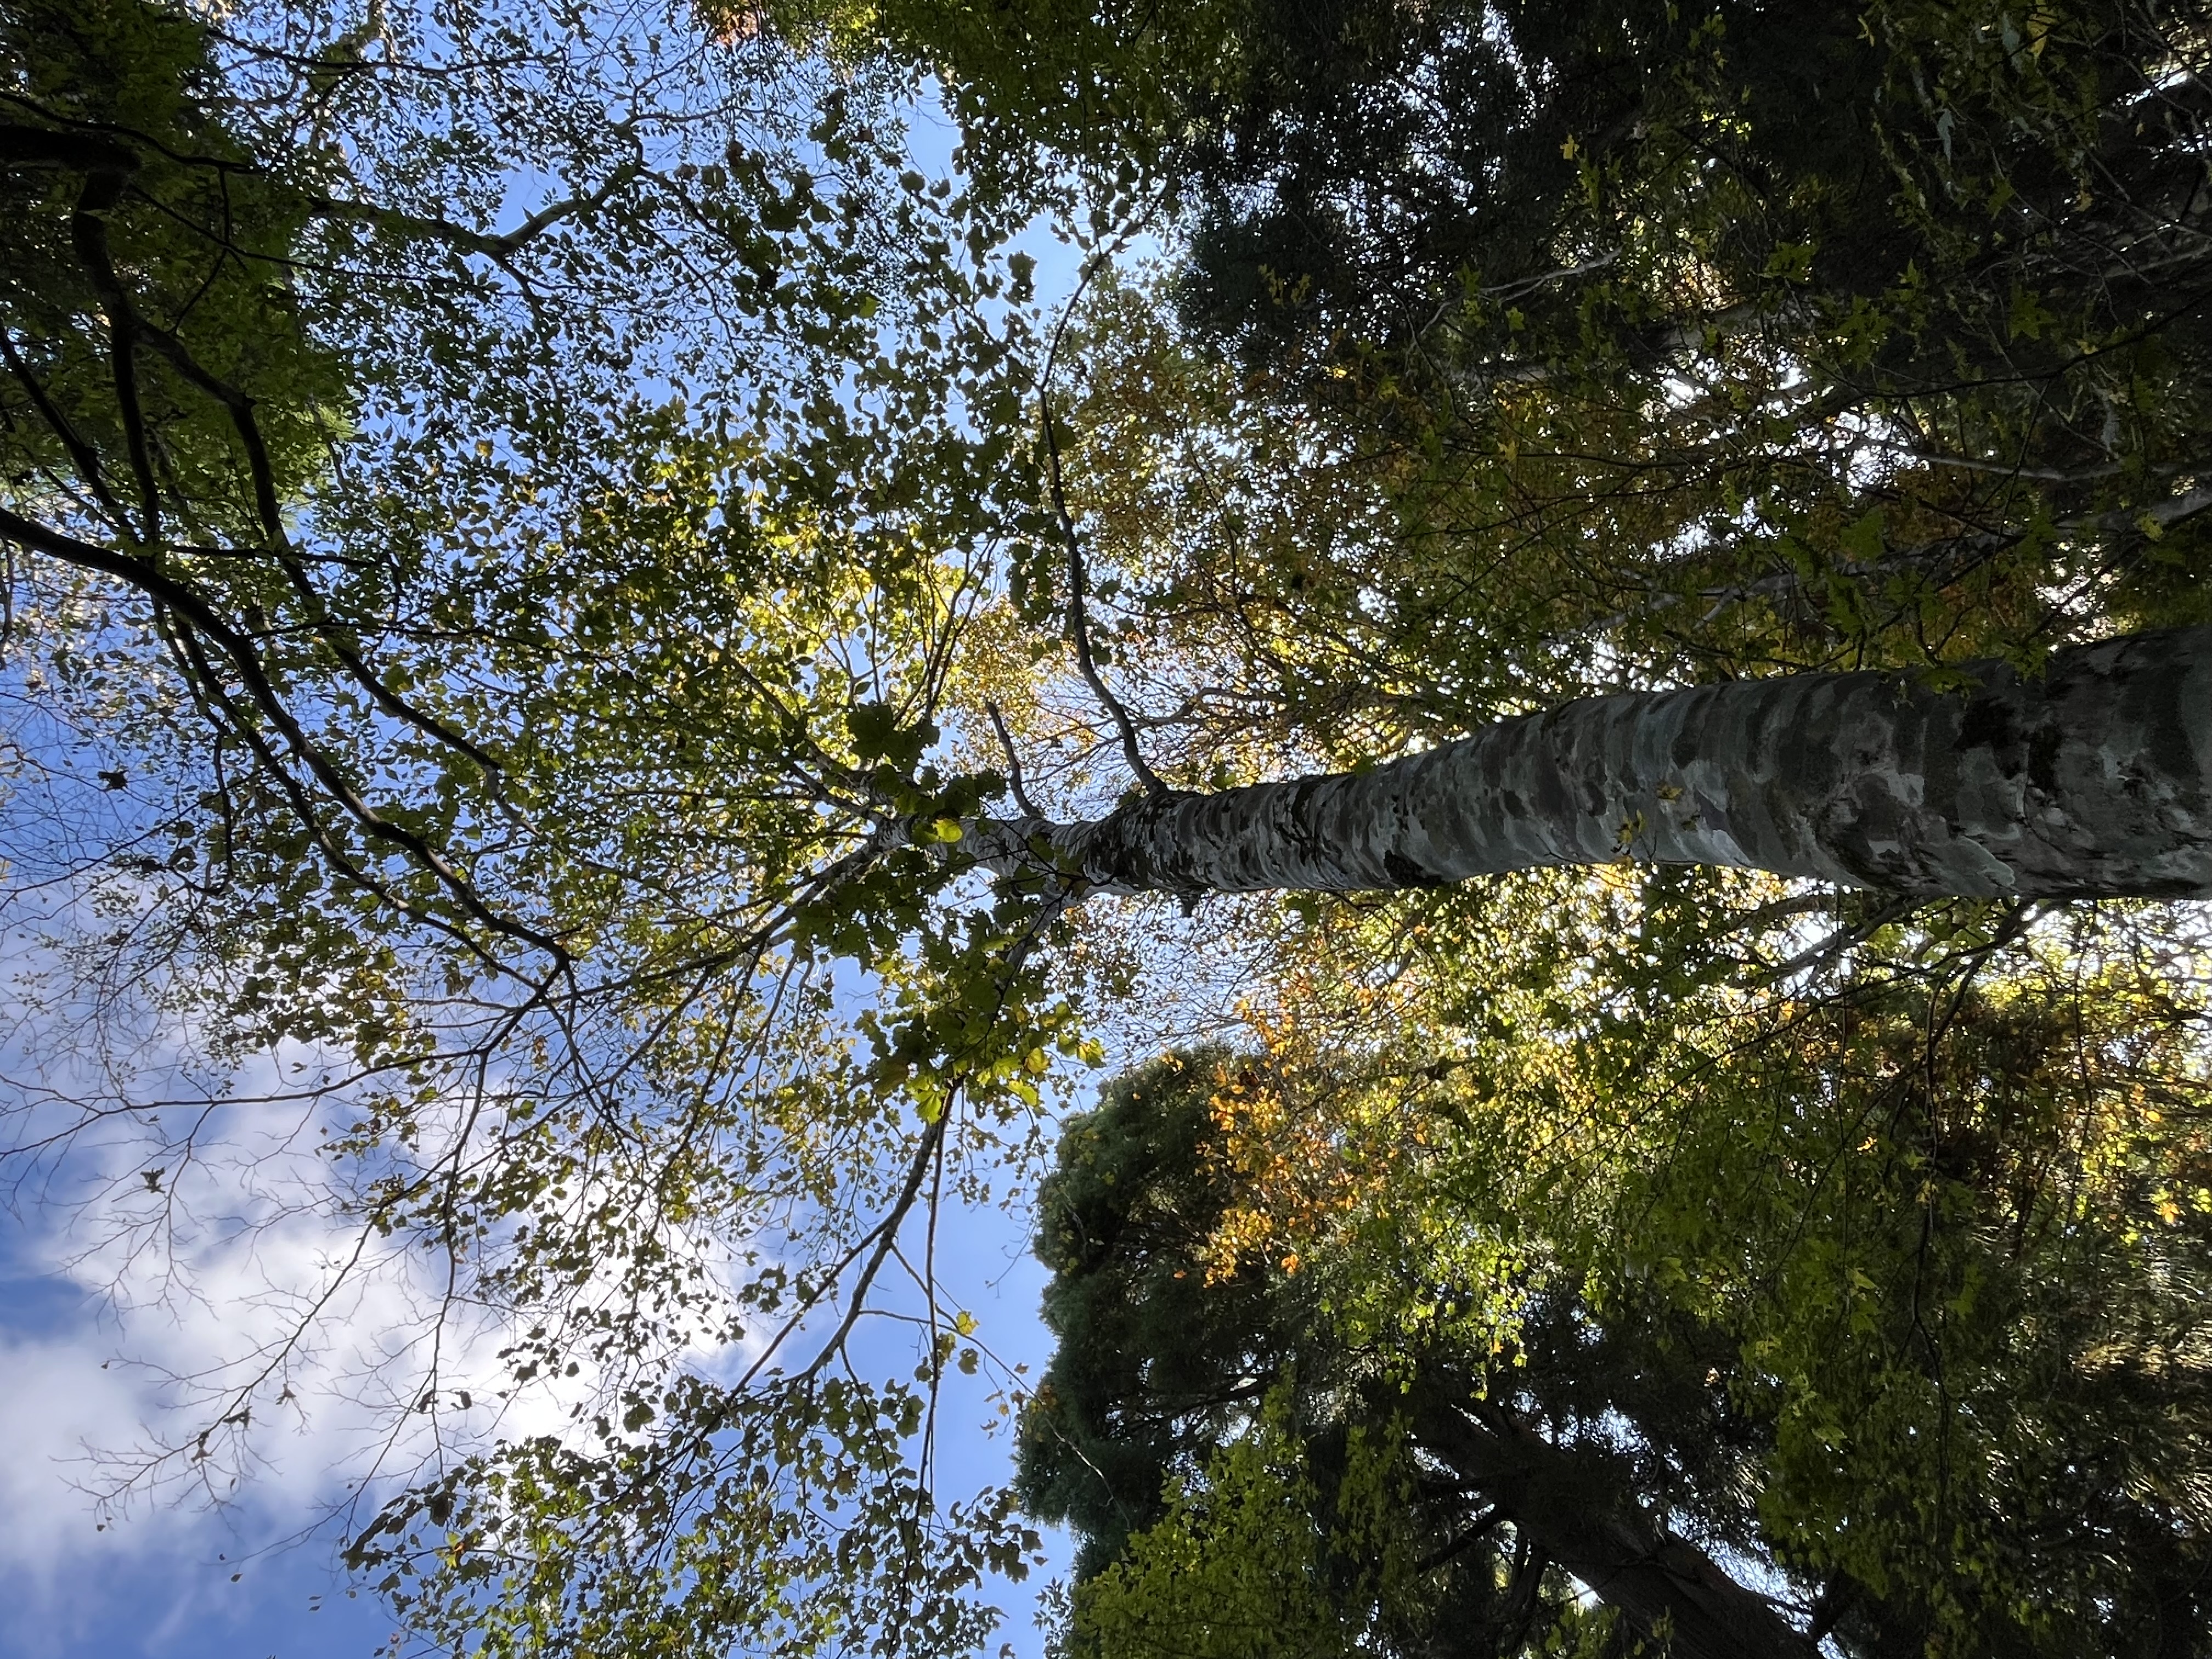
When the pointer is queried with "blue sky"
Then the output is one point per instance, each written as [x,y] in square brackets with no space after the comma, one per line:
[256,1575]
[155,1581]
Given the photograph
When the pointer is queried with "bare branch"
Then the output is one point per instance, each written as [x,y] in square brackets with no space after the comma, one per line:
[1013,763]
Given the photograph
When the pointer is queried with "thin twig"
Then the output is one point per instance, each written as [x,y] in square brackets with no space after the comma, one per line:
[886,1233]
[1078,619]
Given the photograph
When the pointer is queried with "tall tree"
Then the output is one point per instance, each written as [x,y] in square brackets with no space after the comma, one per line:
[572,682]
[1160,1360]
[2095,780]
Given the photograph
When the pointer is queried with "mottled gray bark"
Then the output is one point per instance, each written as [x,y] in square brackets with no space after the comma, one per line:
[2093,779]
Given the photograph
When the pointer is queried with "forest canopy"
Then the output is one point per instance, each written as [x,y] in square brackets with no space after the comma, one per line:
[1574,640]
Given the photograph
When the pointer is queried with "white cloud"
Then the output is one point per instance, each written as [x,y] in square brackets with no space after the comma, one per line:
[161,1281]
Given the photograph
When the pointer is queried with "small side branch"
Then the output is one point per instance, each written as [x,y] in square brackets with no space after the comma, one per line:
[1844,939]
[885,1239]
[1481,1527]
[82,454]
[1013,763]
[22,145]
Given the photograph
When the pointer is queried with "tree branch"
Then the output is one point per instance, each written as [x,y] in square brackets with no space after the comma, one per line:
[82,454]
[1013,763]
[261,691]
[498,245]
[1079,622]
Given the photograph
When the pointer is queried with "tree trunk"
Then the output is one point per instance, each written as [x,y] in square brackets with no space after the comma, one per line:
[1575,1508]
[2094,781]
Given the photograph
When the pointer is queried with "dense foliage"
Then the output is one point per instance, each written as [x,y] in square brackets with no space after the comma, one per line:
[1892,1288]
[1834,341]
[543,541]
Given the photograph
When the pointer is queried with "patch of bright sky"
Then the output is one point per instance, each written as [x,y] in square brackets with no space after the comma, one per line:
[256,1574]
[181,1579]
